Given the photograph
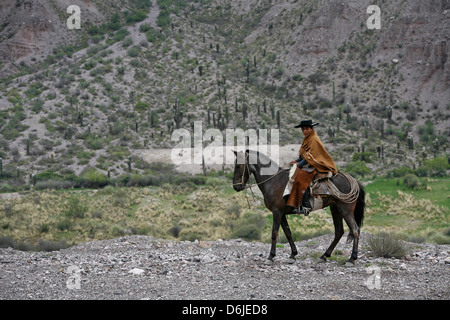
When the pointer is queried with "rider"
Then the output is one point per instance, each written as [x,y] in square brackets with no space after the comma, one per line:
[313,158]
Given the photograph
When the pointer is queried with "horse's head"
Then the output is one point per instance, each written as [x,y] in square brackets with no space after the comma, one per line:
[241,171]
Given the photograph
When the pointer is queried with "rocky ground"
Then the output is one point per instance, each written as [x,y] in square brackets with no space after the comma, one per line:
[141,267]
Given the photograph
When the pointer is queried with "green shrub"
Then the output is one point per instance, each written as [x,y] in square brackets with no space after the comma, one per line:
[94,179]
[76,208]
[386,245]
[134,51]
[357,168]
[411,181]
[247,232]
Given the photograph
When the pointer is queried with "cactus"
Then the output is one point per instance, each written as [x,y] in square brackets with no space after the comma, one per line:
[178,115]
[200,70]
[152,118]
[272,110]
[227,115]
[331,132]
[410,142]
[203,166]
[278,119]
[28,146]
[247,71]
[334,94]
[389,113]
[244,110]
[435,146]
[209,115]
[80,118]
[129,164]
[1,167]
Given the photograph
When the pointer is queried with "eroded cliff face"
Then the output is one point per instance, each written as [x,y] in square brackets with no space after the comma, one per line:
[32,25]
[305,35]
[31,29]
[418,34]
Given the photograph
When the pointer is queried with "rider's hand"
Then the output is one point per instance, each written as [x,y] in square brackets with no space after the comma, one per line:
[292,162]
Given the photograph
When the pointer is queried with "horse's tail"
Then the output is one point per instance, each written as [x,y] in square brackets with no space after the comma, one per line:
[360,206]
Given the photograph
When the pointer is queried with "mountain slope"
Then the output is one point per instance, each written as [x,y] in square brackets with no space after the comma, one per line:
[91,98]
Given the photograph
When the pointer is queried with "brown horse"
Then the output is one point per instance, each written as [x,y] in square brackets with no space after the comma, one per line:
[272,187]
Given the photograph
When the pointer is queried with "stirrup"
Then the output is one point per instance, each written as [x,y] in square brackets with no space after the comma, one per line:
[304,210]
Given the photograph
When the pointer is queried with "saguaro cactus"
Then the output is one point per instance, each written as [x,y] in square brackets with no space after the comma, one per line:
[129,164]
[178,115]
[1,167]
[28,146]
[410,142]
[278,119]
[209,115]
[389,113]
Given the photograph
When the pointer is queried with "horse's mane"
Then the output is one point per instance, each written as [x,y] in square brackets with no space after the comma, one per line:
[263,159]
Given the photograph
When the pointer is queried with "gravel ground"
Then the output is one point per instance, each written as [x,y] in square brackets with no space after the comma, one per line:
[141,267]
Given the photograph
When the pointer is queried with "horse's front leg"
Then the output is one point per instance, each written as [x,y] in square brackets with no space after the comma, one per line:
[275,229]
[287,232]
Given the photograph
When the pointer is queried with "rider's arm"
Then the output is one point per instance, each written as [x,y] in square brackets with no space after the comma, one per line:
[301,162]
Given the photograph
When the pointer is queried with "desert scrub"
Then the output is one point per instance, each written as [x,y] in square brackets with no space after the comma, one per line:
[386,245]
[405,204]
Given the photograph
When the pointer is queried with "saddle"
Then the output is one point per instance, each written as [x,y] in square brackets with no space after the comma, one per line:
[318,187]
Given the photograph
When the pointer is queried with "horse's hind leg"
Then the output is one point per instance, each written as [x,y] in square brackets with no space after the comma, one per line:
[287,232]
[338,232]
[354,230]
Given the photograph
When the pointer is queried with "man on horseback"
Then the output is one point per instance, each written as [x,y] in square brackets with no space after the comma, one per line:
[313,159]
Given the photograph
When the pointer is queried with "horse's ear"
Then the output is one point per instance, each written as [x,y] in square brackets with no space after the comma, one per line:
[235,152]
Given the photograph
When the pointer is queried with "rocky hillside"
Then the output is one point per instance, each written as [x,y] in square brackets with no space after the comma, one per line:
[140,267]
[102,96]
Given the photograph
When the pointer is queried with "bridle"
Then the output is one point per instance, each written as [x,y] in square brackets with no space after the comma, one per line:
[246,167]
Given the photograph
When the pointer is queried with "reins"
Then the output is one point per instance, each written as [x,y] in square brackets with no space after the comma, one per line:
[249,186]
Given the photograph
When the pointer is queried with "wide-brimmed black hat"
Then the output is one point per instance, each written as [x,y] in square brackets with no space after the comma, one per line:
[306,123]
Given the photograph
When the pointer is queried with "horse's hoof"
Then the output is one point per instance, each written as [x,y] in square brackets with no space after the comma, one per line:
[322,259]
[291,261]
